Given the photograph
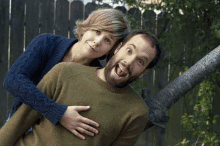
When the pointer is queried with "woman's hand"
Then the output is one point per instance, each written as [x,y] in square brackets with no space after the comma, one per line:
[76,123]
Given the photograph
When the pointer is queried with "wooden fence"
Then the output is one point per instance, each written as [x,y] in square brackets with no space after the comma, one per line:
[28,18]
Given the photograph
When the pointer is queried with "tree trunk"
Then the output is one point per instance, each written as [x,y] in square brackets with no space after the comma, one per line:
[180,86]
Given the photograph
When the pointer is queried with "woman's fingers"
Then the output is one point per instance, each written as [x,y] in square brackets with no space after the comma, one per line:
[81,108]
[77,134]
[78,124]
[89,128]
[88,121]
[82,130]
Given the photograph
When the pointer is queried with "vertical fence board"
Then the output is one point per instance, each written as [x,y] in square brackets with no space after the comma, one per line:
[62,21]
[16,35]
[160,78]
[105,6]
[135,14]
[147,87]
[32,20]
[77,10]
[160,83]
[4,27]
[174,127]
[47,16]
[149,23]
[89,7]
[216,109]
[121,8]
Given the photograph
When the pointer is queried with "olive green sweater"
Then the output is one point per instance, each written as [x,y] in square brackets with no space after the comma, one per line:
[120,112]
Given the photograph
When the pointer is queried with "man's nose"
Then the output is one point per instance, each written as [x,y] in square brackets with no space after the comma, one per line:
[129,61]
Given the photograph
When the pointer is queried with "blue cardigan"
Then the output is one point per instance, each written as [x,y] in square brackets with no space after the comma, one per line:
[44,52]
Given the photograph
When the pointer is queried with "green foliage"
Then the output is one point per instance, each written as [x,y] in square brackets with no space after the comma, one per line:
[202,119]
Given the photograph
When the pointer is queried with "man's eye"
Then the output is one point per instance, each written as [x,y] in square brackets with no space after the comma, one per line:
[98,32]
[129,50]
[141,62]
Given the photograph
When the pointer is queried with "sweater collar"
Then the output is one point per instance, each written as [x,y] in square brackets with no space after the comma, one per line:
[108,86]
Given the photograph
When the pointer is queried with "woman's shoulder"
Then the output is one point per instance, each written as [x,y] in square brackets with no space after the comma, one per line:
[48,36]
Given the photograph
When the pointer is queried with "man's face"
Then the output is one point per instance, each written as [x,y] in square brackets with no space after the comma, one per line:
[130,61]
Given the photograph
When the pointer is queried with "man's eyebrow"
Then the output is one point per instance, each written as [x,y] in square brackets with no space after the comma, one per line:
[146,58]
[133,46]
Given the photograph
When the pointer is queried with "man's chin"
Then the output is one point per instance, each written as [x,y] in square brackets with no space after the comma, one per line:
[117,84]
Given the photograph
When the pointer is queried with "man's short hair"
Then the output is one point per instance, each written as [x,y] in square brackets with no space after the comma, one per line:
[154,44]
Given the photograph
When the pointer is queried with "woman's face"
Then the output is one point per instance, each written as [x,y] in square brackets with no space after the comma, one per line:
[96,43]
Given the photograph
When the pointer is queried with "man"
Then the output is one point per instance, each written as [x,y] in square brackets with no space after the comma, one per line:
[121,113]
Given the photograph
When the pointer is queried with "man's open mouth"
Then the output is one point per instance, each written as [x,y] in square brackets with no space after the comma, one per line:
[121,71]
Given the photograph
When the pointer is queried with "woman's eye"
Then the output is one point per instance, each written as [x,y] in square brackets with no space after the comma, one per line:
[98,32]
[108,41]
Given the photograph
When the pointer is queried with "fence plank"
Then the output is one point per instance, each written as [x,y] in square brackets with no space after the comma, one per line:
[161,77]
[32,20]
[4,27]
[16,35]
[162,24]
[17,30]
[160,83]
[77,10]
[146,137]
[174,127]
[89,7]
[135,14]
[105,6]
[61,18]
[122,8]
[47,16]
[149,21]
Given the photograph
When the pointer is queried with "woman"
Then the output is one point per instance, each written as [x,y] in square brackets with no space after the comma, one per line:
[97,35]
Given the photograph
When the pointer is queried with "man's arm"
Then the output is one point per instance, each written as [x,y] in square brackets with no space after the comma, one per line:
[19,123]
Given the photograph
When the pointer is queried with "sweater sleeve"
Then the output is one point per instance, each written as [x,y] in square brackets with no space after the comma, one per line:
[131,132]
[25,116]
[18,125]
[18,79]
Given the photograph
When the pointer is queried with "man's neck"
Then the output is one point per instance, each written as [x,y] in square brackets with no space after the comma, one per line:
[100,73]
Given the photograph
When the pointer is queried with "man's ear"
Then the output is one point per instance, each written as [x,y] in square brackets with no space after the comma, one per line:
[143,73]
[118,48]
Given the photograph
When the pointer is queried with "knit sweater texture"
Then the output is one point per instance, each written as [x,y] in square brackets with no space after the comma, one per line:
[44,52]
[120,112]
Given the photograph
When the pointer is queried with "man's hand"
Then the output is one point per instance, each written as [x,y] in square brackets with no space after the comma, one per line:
[75,123]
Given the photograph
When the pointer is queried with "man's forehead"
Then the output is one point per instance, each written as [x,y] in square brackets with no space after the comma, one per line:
[141,43]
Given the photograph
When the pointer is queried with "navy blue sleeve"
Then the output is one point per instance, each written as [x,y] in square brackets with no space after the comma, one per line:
[18,79]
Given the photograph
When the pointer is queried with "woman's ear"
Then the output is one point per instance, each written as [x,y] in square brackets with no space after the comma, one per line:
[118,48]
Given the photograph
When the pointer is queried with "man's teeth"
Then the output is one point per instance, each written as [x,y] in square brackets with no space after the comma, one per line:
[120,72]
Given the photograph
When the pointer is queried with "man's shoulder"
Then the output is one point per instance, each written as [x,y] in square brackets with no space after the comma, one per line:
[72,68]
[135,100]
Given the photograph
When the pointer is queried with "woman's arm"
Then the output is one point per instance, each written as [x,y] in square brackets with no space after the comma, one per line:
[25,116]
[18,79]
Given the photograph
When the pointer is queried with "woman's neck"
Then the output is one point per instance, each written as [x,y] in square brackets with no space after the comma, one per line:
[75,54]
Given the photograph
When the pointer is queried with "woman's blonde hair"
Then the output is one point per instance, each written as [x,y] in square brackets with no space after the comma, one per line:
[111,20]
